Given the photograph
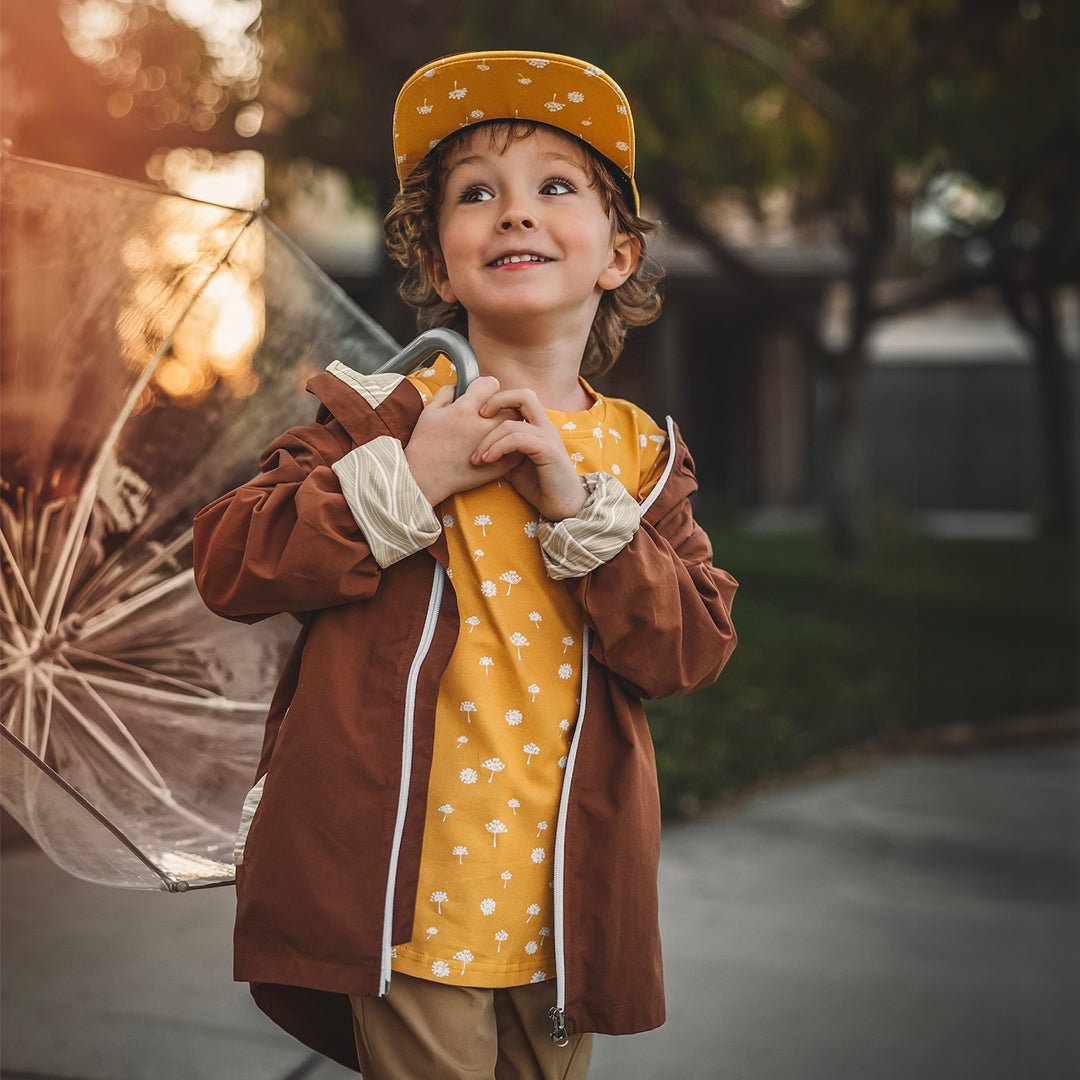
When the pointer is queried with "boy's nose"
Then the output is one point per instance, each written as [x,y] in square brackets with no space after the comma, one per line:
[516,220]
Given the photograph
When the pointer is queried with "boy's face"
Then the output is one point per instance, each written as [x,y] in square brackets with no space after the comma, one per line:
[523,235]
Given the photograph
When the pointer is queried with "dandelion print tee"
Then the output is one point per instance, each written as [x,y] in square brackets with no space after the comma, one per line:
[507,708]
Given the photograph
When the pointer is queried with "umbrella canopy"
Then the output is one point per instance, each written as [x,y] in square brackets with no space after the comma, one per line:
[150,346]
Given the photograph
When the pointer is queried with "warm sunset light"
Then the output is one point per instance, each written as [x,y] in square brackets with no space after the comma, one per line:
[199,255]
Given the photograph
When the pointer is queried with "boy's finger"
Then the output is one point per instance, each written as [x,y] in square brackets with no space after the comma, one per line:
[442,397]
[524,401]
[511,438]
[480,390]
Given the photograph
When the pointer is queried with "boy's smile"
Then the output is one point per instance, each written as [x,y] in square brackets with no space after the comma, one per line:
[523,235]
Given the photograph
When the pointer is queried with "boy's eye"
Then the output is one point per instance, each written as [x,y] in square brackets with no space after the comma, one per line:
[475,194]
[555,186]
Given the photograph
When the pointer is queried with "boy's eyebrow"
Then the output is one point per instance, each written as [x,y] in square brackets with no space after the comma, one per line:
[554,155]
[472,159]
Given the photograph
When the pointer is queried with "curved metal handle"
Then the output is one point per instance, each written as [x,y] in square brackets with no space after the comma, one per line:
[430,343]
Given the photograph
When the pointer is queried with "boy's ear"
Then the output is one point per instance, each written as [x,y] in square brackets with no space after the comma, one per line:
[436,272]
[625,253]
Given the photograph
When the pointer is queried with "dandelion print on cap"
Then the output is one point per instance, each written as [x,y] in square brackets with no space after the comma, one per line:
[444,96]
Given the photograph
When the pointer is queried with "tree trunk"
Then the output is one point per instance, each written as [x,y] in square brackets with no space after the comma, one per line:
[1059,495]
[845,479]
[847,510]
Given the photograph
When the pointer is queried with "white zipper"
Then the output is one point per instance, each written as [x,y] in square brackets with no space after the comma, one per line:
[406,769]
[659,486]
[558,1014]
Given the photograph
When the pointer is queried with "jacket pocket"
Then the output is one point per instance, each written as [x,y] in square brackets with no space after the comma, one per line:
[251,804]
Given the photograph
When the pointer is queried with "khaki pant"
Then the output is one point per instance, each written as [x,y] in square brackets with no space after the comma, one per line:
[423,1030]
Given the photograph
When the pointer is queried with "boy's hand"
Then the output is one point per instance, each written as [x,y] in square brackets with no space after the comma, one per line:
[542,471]
[440,449]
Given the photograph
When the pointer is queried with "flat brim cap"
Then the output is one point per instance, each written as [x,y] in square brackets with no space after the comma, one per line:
[460,91]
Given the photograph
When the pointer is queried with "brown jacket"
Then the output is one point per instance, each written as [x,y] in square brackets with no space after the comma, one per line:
[330,865]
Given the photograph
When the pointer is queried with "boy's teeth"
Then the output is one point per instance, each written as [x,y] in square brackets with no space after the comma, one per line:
[518,259]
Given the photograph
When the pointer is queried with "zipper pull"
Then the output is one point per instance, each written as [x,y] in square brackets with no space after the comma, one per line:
[558,1021]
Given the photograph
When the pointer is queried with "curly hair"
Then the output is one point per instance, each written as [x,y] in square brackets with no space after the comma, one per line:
[412,240]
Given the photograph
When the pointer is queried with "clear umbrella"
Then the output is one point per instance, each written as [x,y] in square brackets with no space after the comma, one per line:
[150,346]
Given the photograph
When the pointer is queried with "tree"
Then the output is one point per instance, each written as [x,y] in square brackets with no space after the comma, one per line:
[853,109]
[105,92]
[874,102]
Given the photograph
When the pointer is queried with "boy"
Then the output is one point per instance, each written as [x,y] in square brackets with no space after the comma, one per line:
[452,867]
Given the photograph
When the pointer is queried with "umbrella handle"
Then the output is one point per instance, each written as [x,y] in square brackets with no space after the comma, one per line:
[430,343]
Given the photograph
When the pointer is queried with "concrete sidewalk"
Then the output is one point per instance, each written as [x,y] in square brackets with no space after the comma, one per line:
[918,919]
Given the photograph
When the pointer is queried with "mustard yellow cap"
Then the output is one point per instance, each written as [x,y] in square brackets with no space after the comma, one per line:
[472,88]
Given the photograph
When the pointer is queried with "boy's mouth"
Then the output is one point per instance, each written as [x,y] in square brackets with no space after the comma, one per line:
[524,257]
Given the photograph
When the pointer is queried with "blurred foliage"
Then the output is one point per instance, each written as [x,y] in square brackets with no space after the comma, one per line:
[854,110]
[731,97]
[743,94]
[930,632]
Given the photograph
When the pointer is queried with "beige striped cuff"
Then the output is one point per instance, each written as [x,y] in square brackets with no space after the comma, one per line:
[603,527]
[385,500]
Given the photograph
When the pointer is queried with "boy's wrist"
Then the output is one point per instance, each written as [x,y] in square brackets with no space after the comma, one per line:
[425,481]
[572,505]
[603,526]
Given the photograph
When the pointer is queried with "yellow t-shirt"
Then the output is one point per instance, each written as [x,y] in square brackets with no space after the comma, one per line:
[507,706]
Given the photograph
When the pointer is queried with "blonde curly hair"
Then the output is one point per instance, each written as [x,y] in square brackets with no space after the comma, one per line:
[412,240]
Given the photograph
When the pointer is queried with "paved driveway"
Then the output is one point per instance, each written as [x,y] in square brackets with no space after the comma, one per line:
[918,919]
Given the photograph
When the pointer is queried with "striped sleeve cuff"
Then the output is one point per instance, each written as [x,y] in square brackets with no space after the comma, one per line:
[385,500]
[603,527]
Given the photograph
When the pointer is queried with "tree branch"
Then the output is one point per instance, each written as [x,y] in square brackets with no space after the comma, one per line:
[782,64]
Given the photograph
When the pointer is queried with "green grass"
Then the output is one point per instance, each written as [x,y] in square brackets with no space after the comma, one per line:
[924,632]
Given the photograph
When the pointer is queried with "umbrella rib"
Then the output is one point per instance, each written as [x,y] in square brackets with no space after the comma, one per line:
[137,669]
[28,705]
[164,697]
[11,691]
[119,612]
[161,556]
[163,794]
[5,596]
[50,511]
[107,744]
[22,648]
[60,583]
[47,770]
[50,689]
[8,615]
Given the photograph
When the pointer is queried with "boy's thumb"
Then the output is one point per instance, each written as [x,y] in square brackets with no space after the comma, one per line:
[443,397]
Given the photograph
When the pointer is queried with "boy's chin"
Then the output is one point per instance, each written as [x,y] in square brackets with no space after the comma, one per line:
[531,316]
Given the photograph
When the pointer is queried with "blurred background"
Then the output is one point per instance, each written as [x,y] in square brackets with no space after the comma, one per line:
[869,216]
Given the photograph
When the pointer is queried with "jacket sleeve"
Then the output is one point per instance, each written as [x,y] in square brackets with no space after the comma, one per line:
[659,610]
[286,540]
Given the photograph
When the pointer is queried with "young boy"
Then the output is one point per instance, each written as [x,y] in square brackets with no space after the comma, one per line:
[447,867]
